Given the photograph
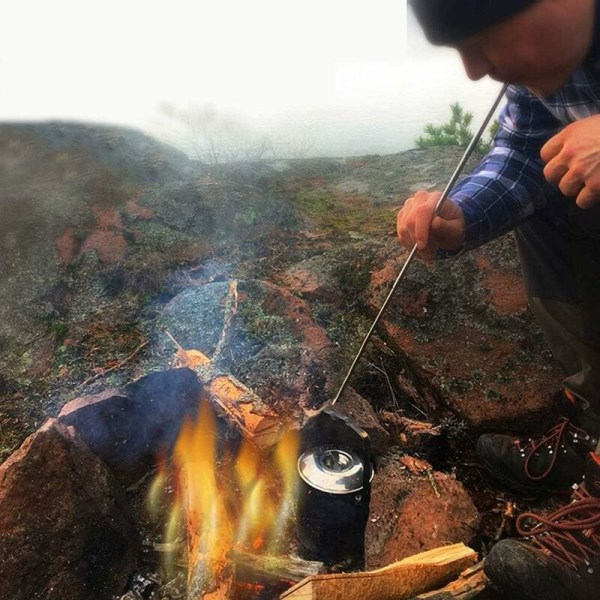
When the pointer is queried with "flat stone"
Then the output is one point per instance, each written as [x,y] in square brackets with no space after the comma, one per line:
[273,345]
[353,186]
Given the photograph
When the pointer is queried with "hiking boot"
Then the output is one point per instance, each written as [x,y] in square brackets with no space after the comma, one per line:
[559,559]
[552,462]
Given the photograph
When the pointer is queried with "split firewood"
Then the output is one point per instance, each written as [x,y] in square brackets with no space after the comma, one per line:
[231,399]
[209,530]
[241,407]
[471,582]
[399,581]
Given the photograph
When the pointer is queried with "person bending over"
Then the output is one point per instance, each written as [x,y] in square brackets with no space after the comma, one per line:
[542,180]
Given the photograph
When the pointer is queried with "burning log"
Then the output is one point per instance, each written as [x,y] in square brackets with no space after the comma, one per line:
[210,534]
[208,584]
[404,579]
[229,502]
[239,405]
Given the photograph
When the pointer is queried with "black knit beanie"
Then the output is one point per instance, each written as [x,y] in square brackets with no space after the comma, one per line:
[450,21]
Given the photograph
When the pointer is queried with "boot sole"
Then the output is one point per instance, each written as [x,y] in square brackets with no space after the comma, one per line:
[533,492]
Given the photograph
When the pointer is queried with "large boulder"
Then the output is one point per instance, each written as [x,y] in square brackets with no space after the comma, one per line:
[414,509]
[471,342]
[138,424]
[273,345]
[66,532]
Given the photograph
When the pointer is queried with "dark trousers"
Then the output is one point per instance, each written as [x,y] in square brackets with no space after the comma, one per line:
[560,255]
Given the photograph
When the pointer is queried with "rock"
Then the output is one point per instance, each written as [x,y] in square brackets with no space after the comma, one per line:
[138,424]
[310,282]
[338,275]
[361,413]
[66,532]
[274,347]
[110,247]
[411,513]
[469,342]
[353,186]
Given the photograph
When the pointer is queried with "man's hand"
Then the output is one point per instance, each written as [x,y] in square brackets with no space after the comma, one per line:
[416,224]
[573,161]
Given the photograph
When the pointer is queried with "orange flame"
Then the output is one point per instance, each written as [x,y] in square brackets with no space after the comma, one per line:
[242,503]
[208,525]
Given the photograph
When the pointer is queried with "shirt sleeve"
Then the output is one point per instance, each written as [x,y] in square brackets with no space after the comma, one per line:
[505,188]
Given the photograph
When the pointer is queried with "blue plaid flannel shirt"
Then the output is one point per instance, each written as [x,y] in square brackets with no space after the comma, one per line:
[508,185]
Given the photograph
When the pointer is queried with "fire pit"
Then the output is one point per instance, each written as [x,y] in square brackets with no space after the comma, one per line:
[245,504]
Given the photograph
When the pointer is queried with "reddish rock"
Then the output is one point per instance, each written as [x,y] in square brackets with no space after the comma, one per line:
[411,298]
[481,378]
[135,210]
[107,217]
[110,247]
[414,512]
[280,302]
[468,341]
[310,285]
[66,532]
[507,290]
[67,247]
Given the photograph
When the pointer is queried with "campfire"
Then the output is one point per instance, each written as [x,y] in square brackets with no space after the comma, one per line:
[251,504]
[245,522]
[232,505]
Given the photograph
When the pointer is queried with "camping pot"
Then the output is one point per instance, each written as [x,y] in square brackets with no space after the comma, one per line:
[335,487]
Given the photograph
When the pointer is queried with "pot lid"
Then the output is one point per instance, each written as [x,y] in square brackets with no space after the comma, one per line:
[332,470]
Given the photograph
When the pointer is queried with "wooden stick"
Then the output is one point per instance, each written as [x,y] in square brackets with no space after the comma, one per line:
[253,567]
[117,366]
[230,310]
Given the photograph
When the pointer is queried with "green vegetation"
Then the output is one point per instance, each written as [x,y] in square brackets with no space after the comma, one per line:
[456,132]
[162,237]
[339,213]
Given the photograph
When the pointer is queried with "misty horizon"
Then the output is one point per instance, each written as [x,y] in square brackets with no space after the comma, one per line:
[306,79]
